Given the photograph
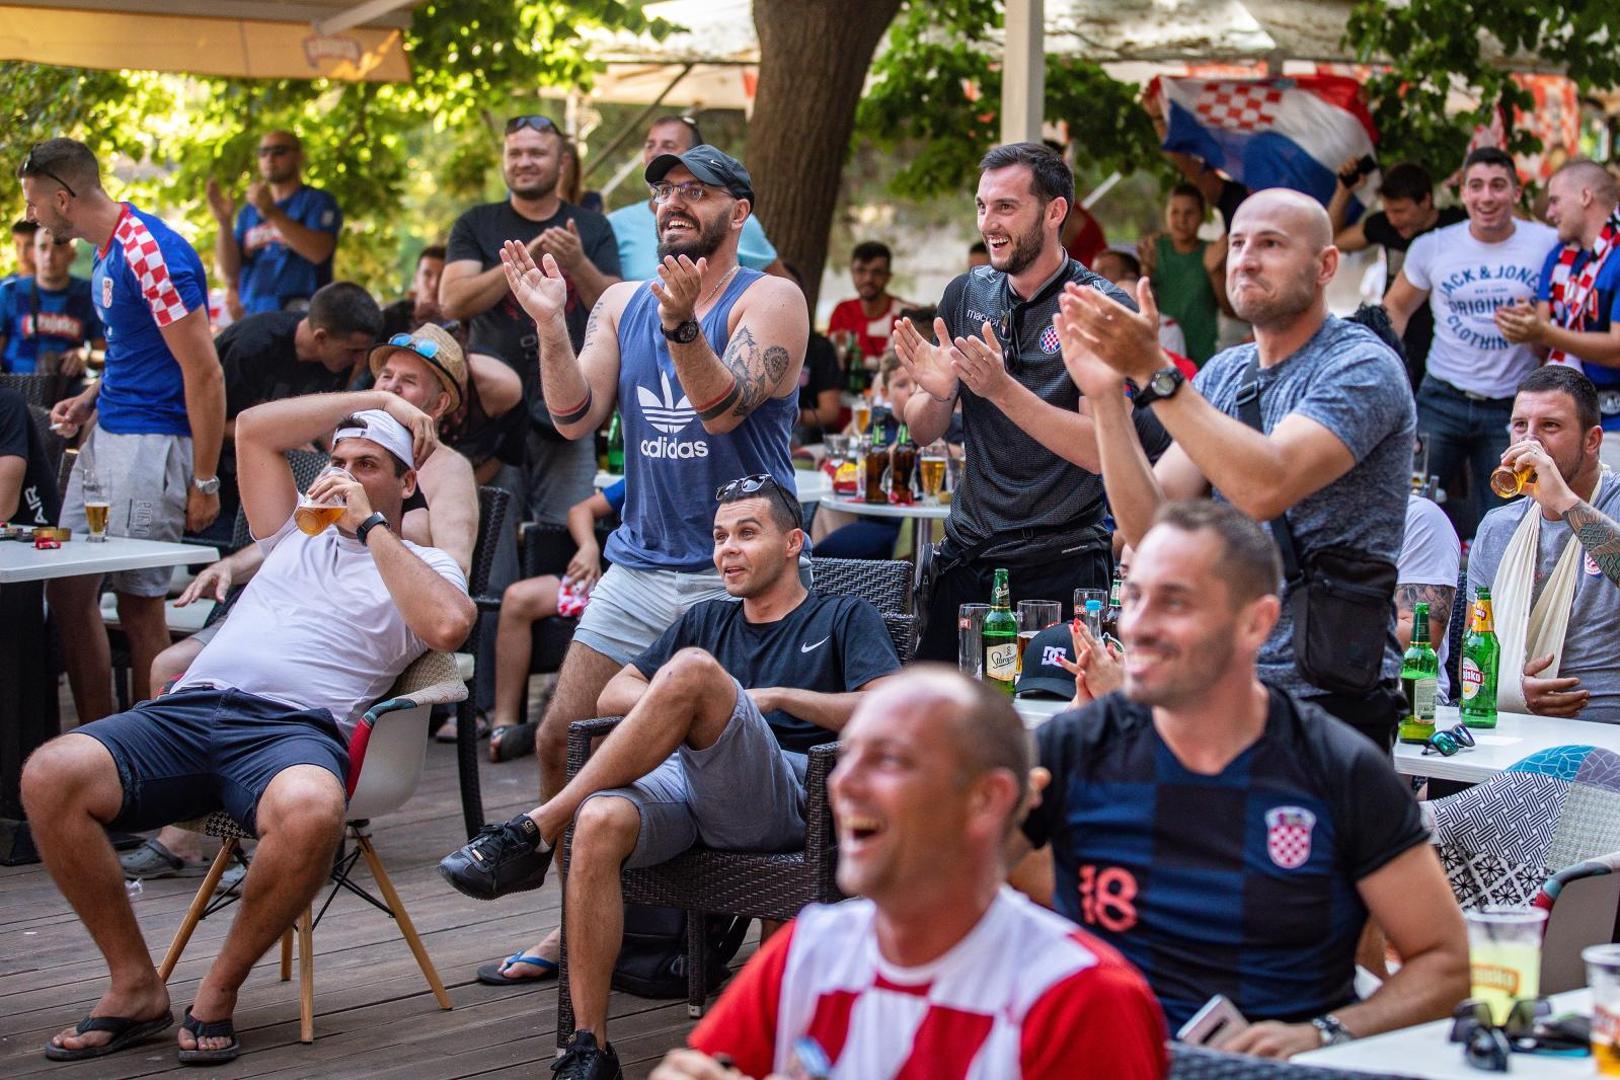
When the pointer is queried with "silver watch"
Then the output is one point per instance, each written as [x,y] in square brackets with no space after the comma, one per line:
[209,486]
[1331,1031]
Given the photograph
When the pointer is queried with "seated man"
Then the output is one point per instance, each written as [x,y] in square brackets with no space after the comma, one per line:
[718,716]
[1553,550]
[939,964]
[259,727]
[27,486]
[1227,837]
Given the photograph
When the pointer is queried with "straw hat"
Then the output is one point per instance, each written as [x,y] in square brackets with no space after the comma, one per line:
[435,347]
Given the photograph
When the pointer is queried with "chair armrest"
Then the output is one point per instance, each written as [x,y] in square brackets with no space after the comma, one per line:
[1595,867]
[487,603]
[580,735]
[817,810]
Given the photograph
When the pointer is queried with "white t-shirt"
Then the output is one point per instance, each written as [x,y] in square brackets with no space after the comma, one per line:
[316,628]
[1467,280]
[1431,554]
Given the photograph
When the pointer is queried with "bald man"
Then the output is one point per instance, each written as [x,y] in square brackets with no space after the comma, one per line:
[1334,445]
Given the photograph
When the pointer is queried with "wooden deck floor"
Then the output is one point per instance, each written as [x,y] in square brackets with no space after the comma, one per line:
[374,1015]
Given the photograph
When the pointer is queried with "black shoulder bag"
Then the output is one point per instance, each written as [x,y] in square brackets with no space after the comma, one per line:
[1341,599]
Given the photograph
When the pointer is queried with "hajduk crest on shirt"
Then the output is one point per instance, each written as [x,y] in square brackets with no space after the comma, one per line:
[1294,132]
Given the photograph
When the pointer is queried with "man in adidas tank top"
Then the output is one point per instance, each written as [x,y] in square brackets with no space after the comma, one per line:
[703,365]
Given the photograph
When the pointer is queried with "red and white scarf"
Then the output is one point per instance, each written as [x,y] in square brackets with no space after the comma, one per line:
[1574,301]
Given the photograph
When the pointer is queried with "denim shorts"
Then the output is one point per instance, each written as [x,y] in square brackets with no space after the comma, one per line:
[189,753]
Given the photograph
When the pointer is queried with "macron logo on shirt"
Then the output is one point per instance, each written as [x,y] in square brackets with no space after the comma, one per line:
[669,416]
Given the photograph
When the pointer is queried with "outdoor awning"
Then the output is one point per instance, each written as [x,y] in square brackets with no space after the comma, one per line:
[268,39]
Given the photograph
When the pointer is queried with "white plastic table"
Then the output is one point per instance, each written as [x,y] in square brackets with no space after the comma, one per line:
[23,562]
[1036,711]
[1423,1051]
[1516,736]
[813,484]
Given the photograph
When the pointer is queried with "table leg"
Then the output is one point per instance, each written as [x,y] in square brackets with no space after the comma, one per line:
[28,707]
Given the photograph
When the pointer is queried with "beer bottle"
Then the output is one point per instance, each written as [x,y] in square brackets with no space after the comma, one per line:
[615,446]
[1480,657]
[902,465]
[876,464]
[1001,637]
[1420,677]
[1110,615]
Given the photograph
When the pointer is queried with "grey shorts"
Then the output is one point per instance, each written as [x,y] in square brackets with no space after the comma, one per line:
[146,478]
[744,793]
[630,609]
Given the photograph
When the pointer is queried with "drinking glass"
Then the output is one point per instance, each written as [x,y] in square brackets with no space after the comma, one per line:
[1082,595]
[934,462]
[1033,617]
[1504,956]
[1603,976]
[97,506]
[862,412]
[314,518]
[970,639]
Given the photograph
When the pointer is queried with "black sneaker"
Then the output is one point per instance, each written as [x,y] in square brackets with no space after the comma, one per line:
[501,859]
[584,1060]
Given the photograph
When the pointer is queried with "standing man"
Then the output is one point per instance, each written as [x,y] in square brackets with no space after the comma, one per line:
[1407,192]
[1573,318]
[871,312]
[49,314]
[1334,452]
[160,408]
[703,365]
[22,246]
[473,289]
[1188,274]
[279,251]
[421,304]
[1465,272]
[1031,499]
[635,227]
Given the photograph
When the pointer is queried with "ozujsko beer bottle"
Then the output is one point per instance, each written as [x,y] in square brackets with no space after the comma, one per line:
[902,464]
[1001,638]
[876,464]
[1420,671]
[1480,657]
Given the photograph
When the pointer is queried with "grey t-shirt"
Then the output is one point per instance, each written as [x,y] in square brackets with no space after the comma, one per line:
[1348,381]
[1594,616]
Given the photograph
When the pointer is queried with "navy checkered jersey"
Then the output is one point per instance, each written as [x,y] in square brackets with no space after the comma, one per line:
[1241,883]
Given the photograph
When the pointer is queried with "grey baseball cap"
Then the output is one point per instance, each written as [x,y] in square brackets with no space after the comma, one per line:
[709,165]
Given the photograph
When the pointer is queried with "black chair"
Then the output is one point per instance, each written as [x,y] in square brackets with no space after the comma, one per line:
[885,583]
[703,881]
[55,445]
[1198,1063]
[41,390]
[493,506]
[1454,634]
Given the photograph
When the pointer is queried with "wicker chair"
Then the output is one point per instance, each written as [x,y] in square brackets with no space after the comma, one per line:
[703,881]
[55,445]
[41,390]
[1454,634]
[1199,1063]
[884,583]
[385,764]
[493,505]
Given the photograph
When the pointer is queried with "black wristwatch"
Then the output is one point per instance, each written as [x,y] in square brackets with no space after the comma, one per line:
[684,333]
[367,525]
[1164,383]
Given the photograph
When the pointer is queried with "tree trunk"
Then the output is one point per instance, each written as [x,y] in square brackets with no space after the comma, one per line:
[813,59]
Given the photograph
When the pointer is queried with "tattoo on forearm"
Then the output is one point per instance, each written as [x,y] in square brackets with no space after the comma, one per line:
[1439,599]
[590,326]
[756,373]
[1599,535]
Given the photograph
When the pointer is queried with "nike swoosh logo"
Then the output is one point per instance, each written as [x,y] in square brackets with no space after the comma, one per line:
[817,645]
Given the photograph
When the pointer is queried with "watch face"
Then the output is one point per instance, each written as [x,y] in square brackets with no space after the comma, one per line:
[685,333]
[1164,383]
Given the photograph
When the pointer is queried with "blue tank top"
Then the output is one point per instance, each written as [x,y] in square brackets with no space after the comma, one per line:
[671,465]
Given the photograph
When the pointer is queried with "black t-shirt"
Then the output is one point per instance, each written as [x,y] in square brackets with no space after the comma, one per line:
[1420,327]
[820,371]
[505,330]
[829,644]
[1241,883]
[37,502]
[261,363]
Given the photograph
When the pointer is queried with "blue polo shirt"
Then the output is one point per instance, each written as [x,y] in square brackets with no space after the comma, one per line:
[146,278]
[636,231]
[272,273]
[55,320]
[1600,312]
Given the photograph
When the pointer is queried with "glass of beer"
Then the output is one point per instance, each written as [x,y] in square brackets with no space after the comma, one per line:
[1603,976]
[970,639]
[314,518]
[862,411]
[1508,482]
[97,505]
[1504,956]
[1033,617]
[934,458]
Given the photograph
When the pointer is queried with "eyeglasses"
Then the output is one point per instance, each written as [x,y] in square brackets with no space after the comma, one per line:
[426,347]
[535,121]
[276,151]
[749,485]
[30,167]
[1450,741]
[690,192]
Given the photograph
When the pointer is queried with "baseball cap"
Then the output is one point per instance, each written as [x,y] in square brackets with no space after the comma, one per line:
[709,165]
[1042,672]
[438,348]
[380,428]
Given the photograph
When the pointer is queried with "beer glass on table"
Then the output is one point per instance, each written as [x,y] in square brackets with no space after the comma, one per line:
[934,457]
[1033,617]
[1603,976]
[970,639]
[97,506]
[314,518]
[1504,956]
[862,412]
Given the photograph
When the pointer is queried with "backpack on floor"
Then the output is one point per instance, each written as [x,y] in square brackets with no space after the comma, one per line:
[652,960]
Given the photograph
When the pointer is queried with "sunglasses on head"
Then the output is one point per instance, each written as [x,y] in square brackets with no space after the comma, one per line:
[535,121]
[30,167]
[426,347]
[750,485]
[1451,741]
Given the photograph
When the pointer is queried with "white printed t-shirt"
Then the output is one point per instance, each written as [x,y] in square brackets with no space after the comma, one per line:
[316,628]
[1467,280]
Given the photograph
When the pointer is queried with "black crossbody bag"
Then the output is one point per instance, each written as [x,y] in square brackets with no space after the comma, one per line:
[1340,598]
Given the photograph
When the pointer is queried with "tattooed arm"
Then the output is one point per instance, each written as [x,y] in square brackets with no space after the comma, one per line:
[769,330]
[1438,597]
[1599,535]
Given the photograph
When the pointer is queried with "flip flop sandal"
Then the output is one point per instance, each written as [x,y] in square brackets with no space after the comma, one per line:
[125,1033]
[447,730]
[512,741]
[210,1029]
[491,974]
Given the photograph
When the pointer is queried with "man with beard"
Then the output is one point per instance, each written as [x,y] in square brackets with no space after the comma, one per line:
[1563,662]
[474,290]
[703,365]
[871,312]
[279,251]
[1227,837]
[1335,447]
[1031,500]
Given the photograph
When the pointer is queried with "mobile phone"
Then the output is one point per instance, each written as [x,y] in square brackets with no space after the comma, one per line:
[1353,176]
[808,1060]
[1213,1024]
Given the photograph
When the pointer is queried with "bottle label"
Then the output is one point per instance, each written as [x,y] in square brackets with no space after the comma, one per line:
[1473,679]
[1423,693]
[1001,662]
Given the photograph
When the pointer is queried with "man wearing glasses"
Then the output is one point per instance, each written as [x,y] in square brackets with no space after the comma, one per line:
[279,250]
[473,289]
[160,408]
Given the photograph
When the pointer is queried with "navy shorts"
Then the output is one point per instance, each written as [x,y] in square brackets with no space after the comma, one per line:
[186,754]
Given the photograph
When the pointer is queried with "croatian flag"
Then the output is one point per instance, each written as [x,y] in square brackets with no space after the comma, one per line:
[1291,132]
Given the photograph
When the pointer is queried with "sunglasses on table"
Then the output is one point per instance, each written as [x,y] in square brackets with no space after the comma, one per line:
[30,167]
[1529,1029]
[751,485]
[1452,740]
[427,347]
[533,120]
